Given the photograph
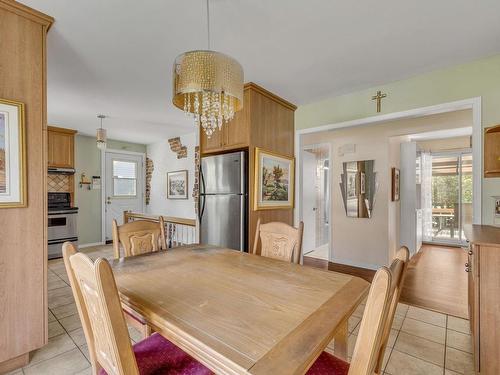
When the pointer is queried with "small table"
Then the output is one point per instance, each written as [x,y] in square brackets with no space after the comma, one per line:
[239,313]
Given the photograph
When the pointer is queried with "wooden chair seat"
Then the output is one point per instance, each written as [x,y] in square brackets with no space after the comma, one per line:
[328,364]
[156,355]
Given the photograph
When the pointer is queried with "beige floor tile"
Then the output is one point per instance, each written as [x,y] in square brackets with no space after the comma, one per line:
[65,310]
[50,316]
[359,311]
[71,322]
[426,350]
[398,322]
[56,284]
[78,336]
[387,355]
[424,330]
[85,350]
[457,324]
[87,371]
[57,301]
[459,361]
[68,363]
[392,338]
[427,316]
[55,329]
[64,291]
[351,343]
[459,340]
[450,372]
[353,323]
[402,309]
[135,335]
[404,364]
[15,372]
[56,346]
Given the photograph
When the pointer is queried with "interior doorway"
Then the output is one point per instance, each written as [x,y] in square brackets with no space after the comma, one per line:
[123,186]
[316,201]
[451,196]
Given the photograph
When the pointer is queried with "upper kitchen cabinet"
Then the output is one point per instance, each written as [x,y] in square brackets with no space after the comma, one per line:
[492,152]
[61,145]
[240,132]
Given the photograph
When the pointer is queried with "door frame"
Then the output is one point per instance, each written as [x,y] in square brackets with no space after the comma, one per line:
[477,145]
[103,183]
[327,145]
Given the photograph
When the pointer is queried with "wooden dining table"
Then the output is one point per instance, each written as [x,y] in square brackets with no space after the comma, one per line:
[239,313]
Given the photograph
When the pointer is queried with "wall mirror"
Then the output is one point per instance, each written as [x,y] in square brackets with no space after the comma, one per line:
[358,186]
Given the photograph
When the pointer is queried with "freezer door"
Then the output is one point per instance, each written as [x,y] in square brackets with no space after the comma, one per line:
[223,221]
[223,174]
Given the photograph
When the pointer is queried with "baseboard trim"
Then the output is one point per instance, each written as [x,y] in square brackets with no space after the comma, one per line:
[90,245]
[14,363]
[365,273]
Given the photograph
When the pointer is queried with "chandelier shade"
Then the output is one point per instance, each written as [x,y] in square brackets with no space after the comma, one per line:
[209,85]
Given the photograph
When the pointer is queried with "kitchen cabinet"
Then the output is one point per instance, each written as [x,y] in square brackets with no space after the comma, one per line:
[483,294]
[492,152]
[61,146]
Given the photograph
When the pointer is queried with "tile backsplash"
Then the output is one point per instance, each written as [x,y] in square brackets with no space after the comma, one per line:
[58,183]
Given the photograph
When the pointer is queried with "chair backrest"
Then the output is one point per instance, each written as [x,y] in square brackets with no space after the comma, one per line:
[366,352]
[398,273]
[279,241]
[138,237]
[101,314]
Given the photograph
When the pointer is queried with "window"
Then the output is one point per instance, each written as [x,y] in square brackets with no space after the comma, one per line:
[124,178]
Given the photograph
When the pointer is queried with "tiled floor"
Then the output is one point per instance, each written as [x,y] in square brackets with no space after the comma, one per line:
[320,252]
[421,341]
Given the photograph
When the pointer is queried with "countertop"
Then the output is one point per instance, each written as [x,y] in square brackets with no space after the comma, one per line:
[482,234]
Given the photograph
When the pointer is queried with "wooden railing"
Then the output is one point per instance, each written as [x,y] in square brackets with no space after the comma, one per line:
[178,231]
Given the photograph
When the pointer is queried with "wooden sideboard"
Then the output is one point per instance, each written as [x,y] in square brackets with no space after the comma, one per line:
[23,231]
[268,122]
[483,266]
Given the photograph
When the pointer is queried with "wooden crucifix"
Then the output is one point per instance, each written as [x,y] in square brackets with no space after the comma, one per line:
[379,98]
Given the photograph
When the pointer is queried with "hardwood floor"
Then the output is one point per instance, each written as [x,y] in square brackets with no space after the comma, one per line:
[436,280]
[364,273]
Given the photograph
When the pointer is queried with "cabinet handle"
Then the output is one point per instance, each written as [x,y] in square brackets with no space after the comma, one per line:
[470,252]
[467,269]
[467,265]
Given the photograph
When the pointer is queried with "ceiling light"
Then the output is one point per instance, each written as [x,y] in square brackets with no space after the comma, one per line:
[208,85]
[101,135]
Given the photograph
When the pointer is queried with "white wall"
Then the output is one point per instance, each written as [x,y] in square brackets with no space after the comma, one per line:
[165,160]
[371,242]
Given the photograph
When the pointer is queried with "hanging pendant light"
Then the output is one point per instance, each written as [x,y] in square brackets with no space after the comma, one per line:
[101,135]
[208,85]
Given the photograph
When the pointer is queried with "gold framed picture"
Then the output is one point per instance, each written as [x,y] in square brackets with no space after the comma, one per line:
[274,180]
[12,155]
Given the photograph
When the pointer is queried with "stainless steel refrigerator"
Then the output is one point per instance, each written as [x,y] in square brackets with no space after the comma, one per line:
[224,200]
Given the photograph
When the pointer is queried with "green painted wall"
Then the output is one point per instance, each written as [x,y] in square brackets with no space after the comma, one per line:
[88,161]
[478,78]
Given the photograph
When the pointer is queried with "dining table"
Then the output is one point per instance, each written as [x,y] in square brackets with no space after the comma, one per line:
[239,313]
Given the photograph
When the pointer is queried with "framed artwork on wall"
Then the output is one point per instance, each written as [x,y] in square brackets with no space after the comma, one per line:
[12,155]
[177,184]
[274,180]
[395,184]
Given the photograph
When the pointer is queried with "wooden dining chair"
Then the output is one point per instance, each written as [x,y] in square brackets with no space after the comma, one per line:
[371,333]
[103,323]
[138,237]
[402,255]
[279,241]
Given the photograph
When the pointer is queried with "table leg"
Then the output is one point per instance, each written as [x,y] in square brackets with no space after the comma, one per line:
[340,343]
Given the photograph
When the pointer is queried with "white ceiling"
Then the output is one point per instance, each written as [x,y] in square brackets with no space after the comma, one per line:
[115,56]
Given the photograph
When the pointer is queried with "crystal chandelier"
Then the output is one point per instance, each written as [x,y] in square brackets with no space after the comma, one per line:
[101,135]
[208,85]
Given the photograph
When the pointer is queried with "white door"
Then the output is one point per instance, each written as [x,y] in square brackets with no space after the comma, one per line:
[124,187]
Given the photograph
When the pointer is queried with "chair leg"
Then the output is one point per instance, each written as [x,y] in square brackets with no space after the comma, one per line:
[340,343]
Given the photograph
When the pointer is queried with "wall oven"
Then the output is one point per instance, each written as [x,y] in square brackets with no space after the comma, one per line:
[62,223]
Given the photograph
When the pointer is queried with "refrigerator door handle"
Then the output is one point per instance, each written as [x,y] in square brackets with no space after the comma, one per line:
[202,208]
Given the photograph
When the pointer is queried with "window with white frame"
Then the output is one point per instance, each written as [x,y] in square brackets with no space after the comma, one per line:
[124,178]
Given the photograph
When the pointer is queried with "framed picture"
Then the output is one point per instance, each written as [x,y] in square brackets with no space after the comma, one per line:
[274,180]
[395,185]
[177,185]
[12,155]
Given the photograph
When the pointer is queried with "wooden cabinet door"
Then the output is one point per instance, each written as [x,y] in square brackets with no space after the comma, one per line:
[60,149]
[236,132]
[212,144]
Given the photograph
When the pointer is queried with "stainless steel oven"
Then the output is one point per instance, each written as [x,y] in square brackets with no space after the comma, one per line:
[62,223]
